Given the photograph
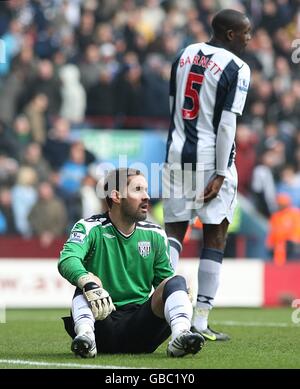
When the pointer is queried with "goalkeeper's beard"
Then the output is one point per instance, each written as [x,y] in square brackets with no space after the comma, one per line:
[133,215]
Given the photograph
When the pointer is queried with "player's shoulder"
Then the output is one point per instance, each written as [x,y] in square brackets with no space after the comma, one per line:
[93,221]
[148,225]
[227,56]
[245,70]
[151,227]
[242,65]
[193,47]
[101,218]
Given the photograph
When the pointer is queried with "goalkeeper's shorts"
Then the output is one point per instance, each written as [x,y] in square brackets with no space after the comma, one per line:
[132,328]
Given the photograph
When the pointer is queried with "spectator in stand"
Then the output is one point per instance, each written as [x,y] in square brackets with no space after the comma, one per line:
[12,41]
[290,184]
[21,132]
[73,94]
[71,175]
[264,52]
[286,112]
[284,233]
[57,147]
[36,112]
[8,145]
[74,170]
[33,158]
[269,137]
[130,97]
[48,216]
[270,15]
[282,81]
[7,212]
[156,87]
[11,87]
[24,65]
[108,58]
[263,184]
[24,196]
[8,169]
[90,203]
[46,83]
[246,139]
[85,31]
[101,95]
[90,66]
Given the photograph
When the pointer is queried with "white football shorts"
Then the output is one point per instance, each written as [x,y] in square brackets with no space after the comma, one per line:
[181,192]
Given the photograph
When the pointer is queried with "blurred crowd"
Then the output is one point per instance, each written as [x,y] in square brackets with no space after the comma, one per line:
[68,64]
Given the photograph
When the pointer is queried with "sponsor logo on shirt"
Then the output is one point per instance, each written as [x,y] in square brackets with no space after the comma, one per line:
[144,248]
[76,237]
[243,85]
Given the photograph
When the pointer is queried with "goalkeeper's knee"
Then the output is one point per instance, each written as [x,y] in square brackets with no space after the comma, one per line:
[172,285]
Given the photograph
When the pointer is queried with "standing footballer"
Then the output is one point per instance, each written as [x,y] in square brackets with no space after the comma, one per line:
[115,259]
[208,89]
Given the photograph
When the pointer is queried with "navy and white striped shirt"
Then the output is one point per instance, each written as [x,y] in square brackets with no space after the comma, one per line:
[205,80]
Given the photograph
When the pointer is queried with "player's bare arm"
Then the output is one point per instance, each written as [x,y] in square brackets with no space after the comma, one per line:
[224,142]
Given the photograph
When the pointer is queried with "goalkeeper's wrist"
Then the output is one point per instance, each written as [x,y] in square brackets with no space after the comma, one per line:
[91,286]
[83,280]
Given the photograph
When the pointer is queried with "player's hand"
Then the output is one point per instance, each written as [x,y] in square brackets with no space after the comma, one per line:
[99,299]
[212,189]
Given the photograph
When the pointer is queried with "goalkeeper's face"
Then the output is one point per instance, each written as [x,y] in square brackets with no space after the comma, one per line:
[135,200]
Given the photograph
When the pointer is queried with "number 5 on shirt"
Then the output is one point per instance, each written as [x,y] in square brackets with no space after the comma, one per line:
[192,92]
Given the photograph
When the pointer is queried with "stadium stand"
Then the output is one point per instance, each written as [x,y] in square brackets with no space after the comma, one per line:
[74,65]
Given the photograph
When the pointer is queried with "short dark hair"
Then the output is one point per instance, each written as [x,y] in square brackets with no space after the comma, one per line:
[118,179]
[227,19]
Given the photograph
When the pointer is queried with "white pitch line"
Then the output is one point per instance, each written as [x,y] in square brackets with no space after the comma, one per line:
[253,323]
[57,364]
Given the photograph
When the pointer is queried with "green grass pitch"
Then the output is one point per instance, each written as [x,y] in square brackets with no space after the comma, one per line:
[261,339]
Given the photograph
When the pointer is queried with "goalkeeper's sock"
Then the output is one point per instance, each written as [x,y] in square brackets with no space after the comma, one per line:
[178,312]
[82,315]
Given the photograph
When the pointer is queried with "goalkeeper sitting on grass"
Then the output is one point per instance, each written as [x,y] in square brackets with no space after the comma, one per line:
[115,259]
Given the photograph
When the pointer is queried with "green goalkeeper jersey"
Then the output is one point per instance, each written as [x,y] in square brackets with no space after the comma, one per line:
[128,266]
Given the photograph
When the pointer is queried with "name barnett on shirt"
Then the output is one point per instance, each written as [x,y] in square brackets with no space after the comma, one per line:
[202,61]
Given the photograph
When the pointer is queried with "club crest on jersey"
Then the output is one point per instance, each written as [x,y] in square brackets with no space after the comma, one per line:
[144,248]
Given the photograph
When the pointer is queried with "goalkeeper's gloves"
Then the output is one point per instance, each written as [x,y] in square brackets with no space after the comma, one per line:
[99,299]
